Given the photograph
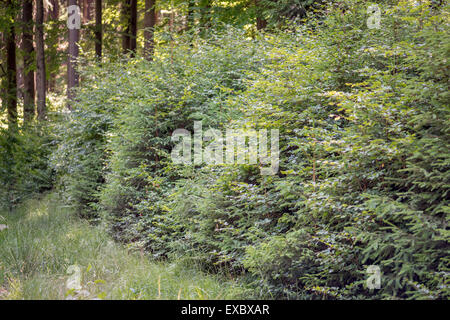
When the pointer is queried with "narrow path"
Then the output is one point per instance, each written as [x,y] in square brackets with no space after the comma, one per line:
[46,252]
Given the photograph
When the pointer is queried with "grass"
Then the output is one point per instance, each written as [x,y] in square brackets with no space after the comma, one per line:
[44,239]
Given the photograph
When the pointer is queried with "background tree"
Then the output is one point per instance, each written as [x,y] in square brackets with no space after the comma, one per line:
[41,81]
[87,8]
[72,74]
[149,28]
[53,39]
[11,85]
[205,14]
[28,61]
[261,23]
[133,26]
[190,15]
[98,29]
[129,16]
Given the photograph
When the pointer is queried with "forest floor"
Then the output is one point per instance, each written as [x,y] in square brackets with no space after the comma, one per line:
[47,252]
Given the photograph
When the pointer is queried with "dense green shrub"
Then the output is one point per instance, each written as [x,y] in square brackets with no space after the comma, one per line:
[365,159]
[24,170]
[81,153]
[363,118]
[183,86]
[380,193]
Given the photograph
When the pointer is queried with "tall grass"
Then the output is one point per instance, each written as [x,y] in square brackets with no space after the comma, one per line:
[44,239]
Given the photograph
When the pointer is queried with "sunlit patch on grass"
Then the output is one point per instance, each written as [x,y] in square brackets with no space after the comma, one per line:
[37,214]
[44,239]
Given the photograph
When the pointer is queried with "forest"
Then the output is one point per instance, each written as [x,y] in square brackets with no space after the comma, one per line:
[234,149]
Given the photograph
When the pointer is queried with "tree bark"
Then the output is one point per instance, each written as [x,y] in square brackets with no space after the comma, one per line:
[129,13]
[28,61]
[87,10]
[133,27]
[98,29]
[52,16]
[72,74]
[149,25]
[55,9]
[261,23]
[11,84]
[41,84]
[190,15]
[205,14]
[125,12]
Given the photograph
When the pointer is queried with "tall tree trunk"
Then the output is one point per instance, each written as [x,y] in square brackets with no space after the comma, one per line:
[205,15]
[125,12]
[87,10]
[55,10]
[53,16]
[149,31]
[133,27]
[261,23]
[129,14]
[28,61]
[72,73]
[41,84]
[11,84]
[190,15]
[98,29]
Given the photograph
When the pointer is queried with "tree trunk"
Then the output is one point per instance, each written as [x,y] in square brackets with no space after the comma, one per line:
[40,61]
[129,14]
[55,10]
[11,84]
[149,25]
[205,14]
[133,27]
[98,29]
[190,15]
[72,74]
[87,10]
[125,12]
[28,61]
[261,23]
[53,16]
[205,17]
